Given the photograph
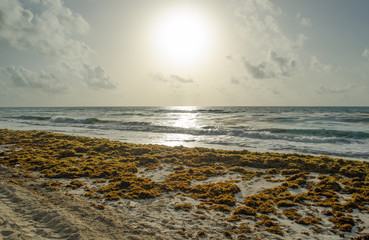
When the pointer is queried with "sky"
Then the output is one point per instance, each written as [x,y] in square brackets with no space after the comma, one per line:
[184,53]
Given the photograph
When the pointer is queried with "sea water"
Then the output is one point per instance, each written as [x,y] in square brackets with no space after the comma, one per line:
[333,131]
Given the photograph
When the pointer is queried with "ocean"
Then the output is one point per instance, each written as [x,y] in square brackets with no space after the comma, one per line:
[334,131]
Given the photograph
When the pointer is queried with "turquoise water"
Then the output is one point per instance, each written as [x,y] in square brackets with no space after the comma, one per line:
[334,131]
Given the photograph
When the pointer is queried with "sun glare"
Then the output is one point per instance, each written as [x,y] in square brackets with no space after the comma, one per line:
[182,36]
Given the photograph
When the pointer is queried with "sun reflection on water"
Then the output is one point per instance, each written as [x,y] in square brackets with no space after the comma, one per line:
[183,117]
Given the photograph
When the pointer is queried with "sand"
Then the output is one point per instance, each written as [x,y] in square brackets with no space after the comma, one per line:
[31,208]
[29,211]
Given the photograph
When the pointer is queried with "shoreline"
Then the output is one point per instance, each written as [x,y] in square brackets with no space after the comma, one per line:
[338,133]
[218,147]
[194,193]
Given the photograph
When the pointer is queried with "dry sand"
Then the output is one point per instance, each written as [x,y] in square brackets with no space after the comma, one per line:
[35,207]
[29,211]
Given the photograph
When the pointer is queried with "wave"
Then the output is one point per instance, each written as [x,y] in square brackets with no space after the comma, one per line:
[193,110]
[281,119]
[39,118]
[320,133]
[330,131]
[291,149]
[242,132]
[134,123]
[292,135]
[356,119]
[60,119]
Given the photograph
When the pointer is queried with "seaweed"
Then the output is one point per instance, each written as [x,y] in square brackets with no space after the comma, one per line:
[116,163]
[228,234]
[201,234]
[291,214]
[285,203]
[308,220]
[52,185]
[286,172]
[244,211]
[184,207]
[343,223]
[221,208]
[266,208]
[275,230]
[219,193]
[74,184]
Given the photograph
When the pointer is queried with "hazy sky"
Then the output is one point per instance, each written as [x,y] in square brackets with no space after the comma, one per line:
[193,52]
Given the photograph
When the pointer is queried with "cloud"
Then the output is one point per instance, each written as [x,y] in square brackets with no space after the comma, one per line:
[235,81]
[257,24]
[335,90]
[304,21]
[180,79]
[96,78]
[301,39]
[245,84]
[24,78]
[250,6]
[286,66]
[365,53]
[274,66]
[317,66]
[48,30]
[54,81]
[275,53]
[173,80]
[170,79]
[260,71]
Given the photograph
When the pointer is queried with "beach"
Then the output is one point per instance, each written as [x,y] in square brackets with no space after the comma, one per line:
[177,120]
[234,119]
[73,187]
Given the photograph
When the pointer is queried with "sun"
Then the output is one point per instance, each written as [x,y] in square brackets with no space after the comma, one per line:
[182,36]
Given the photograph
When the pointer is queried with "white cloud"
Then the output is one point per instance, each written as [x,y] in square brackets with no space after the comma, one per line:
[365,53]
[274,66]
[173,80]
[181,79]
[170,79]
[269,52]
[54,79]
[257,25]
[248,6]
[96,78]
[317,66]
[335,90]
[24,78]
[235,81]
[304,21]
[260,71]
[301,39]
[48,31]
